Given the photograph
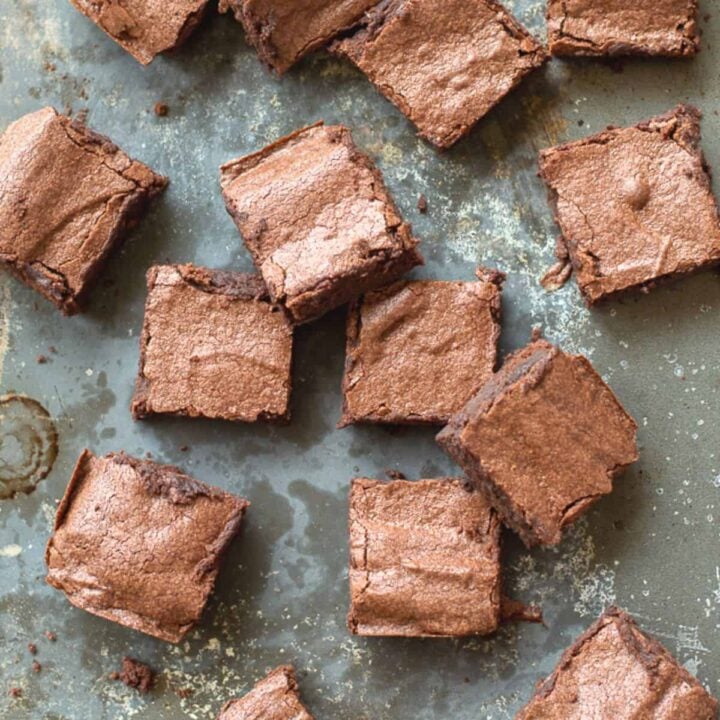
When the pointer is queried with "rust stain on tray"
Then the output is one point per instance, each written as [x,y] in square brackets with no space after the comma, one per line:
[28,444]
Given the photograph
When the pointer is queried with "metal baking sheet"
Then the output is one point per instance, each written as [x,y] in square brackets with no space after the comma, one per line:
[282,596]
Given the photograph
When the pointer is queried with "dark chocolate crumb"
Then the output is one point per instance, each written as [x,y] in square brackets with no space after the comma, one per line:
[422,204]
[41,359]
[148,455]
[36,666]
[395,474]
[161,109]
[136,675]
[184,693]
[51,636]
[16,692]
[184,448]
[32,647]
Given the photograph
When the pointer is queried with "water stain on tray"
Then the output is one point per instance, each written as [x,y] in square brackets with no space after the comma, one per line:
[28,444]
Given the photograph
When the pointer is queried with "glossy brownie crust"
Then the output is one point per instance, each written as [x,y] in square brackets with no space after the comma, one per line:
[634,231]
[424,559]
[529,441]
[283,31]
[275,697]
[67,197]
[443,64]
[145,28]
[615,672]
[316,217]
[140,543]
[618,27]
[212,346]
[417,351]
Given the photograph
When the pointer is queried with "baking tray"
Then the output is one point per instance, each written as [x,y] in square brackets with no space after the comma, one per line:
[282,596]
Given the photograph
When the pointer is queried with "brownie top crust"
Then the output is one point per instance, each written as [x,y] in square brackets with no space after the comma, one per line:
[275,697]
[417,351]
[621,200]
[529,440]
[140,543]
[314,213]
[213,346]
[617,27]
[145,28]
[424,559]
[615,672]
[283,31]
[444,64]
[67,195]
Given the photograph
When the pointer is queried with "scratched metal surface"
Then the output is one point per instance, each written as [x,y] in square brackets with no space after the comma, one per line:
[282,596]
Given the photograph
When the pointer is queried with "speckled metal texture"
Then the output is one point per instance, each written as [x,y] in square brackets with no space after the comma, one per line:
[282,596]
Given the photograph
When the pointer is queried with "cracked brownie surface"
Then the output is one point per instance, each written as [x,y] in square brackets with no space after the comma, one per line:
[67,197]
[618,27]
[275,697]
[213,345]
[140,543]
[316,217]
[424,559]
[622,197]
[283,31]
[543,440]
[145,28]
[443,64]
[614,671]
[417,351]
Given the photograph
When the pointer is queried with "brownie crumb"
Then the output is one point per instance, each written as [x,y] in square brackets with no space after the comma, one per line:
[161,109]
[51,636]
[184,693]
[422,204]
[32,648]
[395,475]
[16,692]
[52,349]
[36,666]
[135,675]
[184,448]
[41,359]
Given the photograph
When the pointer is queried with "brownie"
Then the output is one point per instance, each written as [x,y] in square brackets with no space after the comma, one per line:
[417,351]
[616,27]
[444,64]
[67,197]
[275,697]
[140,543]
[318,221]
[622,199]
[424,559]
[145,28]
[212,346]
[283,31]
[529,440]
[616,672]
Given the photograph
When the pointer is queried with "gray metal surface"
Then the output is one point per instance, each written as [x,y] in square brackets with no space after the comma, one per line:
[282,597]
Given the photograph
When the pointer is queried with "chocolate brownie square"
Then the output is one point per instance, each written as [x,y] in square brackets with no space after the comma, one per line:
[618,27]
[275,697]
[622,199]
[530,440]
[424,559]
[318,221]
[145,28]
[616,672]
[212,346]
[140,543]
[444,64]
[67,197]
[283,31]
[417,351]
